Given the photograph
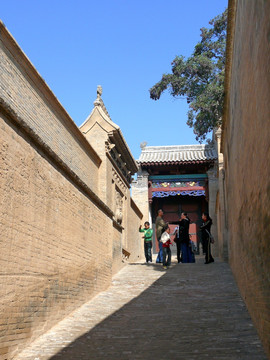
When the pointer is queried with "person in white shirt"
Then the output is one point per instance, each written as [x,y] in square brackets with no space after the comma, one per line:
[166,241]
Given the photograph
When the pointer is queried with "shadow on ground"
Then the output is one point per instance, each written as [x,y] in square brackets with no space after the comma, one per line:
[194,311]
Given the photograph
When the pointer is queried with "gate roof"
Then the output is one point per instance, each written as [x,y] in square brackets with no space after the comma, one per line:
[199,153]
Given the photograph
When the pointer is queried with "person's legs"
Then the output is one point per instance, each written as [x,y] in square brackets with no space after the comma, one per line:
[160,253]
[169,254]
[164,256]
[189,253]
[208,255]
[145,251]
[184,253]
[207,248]
[178,250]
[149,251]
[204,245]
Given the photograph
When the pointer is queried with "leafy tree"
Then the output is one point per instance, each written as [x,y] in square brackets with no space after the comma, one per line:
[200,79]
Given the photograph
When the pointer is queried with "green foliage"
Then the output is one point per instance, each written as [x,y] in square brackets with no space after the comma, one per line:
[200,79]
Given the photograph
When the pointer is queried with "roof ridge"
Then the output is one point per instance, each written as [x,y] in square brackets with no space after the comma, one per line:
[177,146]
[178,153]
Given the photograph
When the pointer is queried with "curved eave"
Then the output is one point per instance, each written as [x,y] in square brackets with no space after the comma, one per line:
[190,162]
[118,139]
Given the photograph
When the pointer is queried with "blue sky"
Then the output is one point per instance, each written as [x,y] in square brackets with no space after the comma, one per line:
[123,45]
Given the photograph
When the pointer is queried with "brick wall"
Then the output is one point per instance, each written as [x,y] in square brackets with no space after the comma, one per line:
[59,241]
[117,257]
[24,92]
[246,148]
[53,253]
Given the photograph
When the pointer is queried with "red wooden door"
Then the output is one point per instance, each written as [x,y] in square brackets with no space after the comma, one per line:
[174,206]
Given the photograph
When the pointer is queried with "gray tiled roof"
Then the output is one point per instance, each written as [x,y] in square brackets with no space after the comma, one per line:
[177,153]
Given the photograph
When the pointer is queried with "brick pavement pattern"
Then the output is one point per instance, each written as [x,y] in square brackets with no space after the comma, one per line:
[190,311]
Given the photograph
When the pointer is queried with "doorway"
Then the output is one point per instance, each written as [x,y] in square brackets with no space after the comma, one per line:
[172,207]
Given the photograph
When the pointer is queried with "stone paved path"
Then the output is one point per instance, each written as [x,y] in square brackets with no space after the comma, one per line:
[190,311]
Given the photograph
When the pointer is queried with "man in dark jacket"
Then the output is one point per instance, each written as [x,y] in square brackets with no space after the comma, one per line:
[184,238]
[206,231]
[160,226]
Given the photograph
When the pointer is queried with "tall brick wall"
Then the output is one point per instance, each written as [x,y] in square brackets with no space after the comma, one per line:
[246,148]
[60,244]
[50,233]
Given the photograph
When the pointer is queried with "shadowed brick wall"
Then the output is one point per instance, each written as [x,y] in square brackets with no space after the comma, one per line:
[49,230]
[59,244]
[246,149]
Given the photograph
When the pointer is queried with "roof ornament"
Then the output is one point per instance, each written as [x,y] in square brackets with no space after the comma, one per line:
[143,145]
[98,100]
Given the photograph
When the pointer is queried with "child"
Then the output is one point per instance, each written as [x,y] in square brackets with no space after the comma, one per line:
[148,233]
[166,241]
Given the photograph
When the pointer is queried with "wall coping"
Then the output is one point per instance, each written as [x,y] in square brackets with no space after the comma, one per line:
[25,128]
[135,208]
[228,68]
[21,58]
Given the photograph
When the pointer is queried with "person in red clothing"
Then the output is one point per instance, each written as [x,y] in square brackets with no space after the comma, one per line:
[166,242]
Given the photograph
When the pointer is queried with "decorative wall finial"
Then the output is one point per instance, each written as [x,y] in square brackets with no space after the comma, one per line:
[99,90]
[143,144]
[99,93]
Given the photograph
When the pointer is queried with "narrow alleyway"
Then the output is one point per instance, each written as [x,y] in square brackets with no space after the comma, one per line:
[190,311]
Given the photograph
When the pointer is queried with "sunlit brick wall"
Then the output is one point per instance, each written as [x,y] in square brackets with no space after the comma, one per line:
[246,148]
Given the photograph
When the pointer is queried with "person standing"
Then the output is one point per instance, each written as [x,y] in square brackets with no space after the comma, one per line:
[178,244]
[184,238]
[206,231]
[166,242]
[160,226]
[148,234]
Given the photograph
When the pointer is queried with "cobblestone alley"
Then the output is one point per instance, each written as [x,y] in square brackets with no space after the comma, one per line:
[190,311]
